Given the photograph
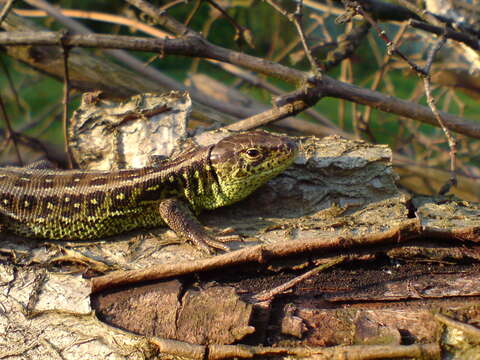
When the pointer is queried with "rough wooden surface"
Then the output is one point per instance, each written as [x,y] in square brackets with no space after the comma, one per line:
[385,293]
[105,134]
[213,315]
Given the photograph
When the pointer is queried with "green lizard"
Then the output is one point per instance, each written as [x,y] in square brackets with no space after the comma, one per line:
[81,205]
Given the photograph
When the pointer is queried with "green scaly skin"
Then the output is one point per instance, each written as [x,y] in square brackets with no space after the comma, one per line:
[82,205]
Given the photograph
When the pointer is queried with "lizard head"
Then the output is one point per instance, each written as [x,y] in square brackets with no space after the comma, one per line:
[245,161]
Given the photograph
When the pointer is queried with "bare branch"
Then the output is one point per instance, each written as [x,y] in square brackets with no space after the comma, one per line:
[163,19]
[390,45]
[268,116]
[466,39]
[66,93]
[270,294]
[297,17]
[431,102]
[10,133]
[5,10]
[194,47]
[242,33]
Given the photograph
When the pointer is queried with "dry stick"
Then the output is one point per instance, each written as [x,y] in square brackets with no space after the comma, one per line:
[431,102]
[6,8]
[268,116]
[237,71]
[10,133]
[241,351]
[263,84]
[268,295]
[240,31]
[383,69]
[350,352]
[390,45]
[296,17]
[468,329]
[425,74]
[189,46]
[466,39]
[193,12]
[65,101]
[336,89]
[11,85]
[172,4]
[259,254]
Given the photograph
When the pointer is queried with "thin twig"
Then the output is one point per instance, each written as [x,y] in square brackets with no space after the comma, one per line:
[6,9]
[268,116]
[269,295]
[10,133]
[193,12]
[190,46]
[383,35]
[182,349]
[66,92]
[10,84]
[431,103]
[241,33]
[381,74]
[172,4]
[287,50]
[297,20]
[467,329]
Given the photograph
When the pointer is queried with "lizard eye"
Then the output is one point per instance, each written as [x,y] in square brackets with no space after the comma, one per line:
[253,153]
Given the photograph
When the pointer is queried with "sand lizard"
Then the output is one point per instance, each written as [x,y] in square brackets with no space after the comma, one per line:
[81,205]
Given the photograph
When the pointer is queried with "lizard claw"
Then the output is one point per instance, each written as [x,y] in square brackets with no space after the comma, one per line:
[211,244]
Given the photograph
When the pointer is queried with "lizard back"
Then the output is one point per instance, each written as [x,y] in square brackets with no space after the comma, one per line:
[79,204]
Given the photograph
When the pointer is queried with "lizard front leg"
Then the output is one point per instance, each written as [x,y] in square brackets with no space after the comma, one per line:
[180,219]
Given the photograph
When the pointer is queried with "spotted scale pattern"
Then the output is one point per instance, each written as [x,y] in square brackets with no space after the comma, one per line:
[77,204]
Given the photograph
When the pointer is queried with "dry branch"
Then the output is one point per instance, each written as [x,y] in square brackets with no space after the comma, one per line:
[354,352]
[448,33]
[193,46]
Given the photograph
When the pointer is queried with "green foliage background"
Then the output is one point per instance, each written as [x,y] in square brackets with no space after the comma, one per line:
[41,95]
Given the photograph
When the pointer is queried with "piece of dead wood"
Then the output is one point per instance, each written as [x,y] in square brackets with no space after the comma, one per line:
[470,330]
[256,254]
[433,285]
[354,352]
[270,294]
[214,315]
[81,261]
